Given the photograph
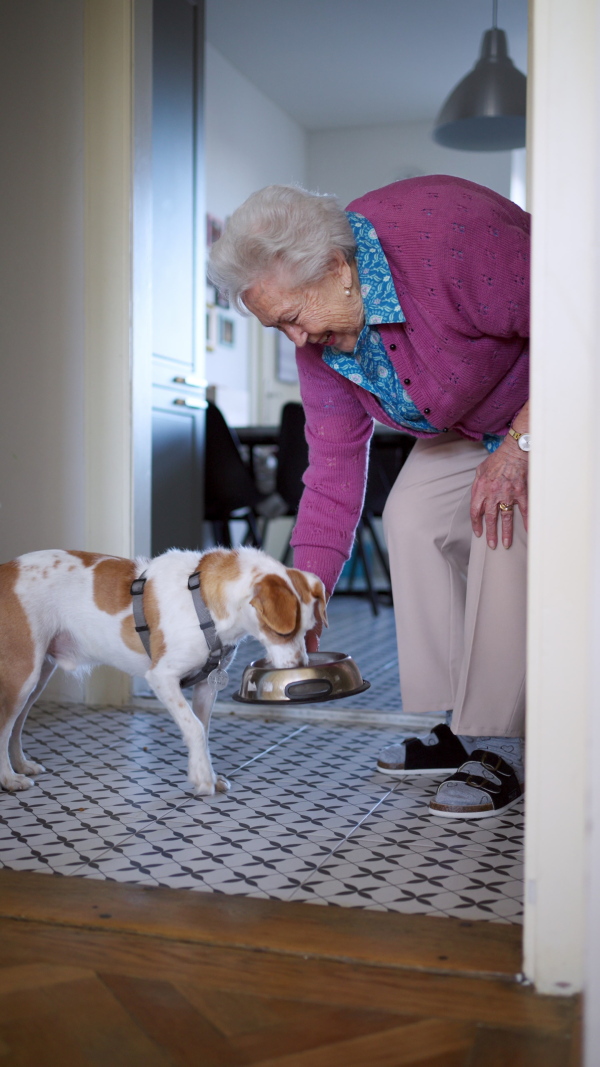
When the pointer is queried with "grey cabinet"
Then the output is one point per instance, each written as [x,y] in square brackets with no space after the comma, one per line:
[178,275]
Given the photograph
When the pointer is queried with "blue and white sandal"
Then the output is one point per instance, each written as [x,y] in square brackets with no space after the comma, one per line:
[484,786]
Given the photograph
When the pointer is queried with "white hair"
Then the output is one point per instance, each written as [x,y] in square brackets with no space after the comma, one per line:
[280,228]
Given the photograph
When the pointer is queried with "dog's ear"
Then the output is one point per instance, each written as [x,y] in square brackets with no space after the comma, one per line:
[318,591]
[276,605]
[299,581]
[309,587]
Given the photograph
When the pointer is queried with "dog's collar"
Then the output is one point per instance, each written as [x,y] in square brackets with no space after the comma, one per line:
[217,652]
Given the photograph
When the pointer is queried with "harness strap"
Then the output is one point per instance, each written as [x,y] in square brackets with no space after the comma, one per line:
[215,648]
[141,626]
[217,653]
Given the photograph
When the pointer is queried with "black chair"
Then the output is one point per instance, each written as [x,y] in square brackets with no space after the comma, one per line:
[386,458]
[292,455]
[292,461]
[230,491]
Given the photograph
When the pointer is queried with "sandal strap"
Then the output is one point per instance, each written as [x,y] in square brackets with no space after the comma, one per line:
[500,792]
[449,752]
[477,781]
[492,762]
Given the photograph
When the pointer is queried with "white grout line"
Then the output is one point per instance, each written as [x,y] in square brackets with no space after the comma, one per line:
[337,845]
[288,737]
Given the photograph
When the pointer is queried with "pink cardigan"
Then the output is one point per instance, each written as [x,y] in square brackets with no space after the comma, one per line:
[459,257]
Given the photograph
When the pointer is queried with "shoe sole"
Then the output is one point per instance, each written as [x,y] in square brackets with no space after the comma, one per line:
[403,773]
[490,813]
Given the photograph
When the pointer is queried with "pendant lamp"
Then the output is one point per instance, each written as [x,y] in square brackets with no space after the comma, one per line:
[486,110]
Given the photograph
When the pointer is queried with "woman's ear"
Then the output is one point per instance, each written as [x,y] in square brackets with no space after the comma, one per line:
[340,267]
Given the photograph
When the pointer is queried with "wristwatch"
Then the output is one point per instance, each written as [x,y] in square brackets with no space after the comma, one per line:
[522,439]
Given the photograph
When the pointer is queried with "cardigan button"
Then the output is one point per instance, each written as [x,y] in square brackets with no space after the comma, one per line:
[407,381]
[427,411]
[445,430]
[392,348]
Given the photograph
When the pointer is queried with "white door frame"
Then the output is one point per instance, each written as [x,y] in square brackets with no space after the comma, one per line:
[117,135]
[564,602]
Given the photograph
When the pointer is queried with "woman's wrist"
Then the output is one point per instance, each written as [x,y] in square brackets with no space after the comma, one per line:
[510,447]
[518,428]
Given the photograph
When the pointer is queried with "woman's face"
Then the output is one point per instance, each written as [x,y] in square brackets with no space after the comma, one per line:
[319,314]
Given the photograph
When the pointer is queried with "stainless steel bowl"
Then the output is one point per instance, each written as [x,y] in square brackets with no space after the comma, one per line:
[328,676]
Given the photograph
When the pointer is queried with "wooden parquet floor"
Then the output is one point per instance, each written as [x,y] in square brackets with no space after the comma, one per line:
[102,974]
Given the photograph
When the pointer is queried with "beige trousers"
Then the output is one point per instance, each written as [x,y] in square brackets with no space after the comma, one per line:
[460,606]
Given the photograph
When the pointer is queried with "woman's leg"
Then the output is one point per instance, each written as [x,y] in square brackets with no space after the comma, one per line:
[428,534]
[460,606]
[460,614]
[490,696]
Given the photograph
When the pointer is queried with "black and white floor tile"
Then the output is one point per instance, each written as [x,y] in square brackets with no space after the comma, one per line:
[307,817]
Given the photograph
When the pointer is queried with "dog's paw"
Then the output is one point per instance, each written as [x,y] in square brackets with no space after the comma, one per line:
[27,766]
[222,785]
[14,783]
[204,789]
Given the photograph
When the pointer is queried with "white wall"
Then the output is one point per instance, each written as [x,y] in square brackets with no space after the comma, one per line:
[66,282]
[352,161]
[250,143]
[41,277]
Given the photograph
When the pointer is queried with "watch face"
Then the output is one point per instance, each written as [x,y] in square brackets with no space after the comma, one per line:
[524,442]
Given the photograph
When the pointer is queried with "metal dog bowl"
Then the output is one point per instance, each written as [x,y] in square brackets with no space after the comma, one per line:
[328,676]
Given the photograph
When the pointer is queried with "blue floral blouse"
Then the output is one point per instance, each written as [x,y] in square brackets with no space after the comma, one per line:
[369,365]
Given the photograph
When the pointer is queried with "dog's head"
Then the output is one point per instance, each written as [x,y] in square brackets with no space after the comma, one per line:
[248,592]
[286,606]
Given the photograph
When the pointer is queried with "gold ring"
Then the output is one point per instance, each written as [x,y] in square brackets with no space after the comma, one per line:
[506,507]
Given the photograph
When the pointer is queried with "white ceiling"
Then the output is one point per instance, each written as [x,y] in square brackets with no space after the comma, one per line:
[335,63]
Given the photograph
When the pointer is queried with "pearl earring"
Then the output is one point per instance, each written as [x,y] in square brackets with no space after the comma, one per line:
[348,292]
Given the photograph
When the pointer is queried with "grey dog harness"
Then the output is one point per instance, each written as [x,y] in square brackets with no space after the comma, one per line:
[217,652]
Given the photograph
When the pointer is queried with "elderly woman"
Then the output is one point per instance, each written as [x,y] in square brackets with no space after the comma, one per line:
[412,307]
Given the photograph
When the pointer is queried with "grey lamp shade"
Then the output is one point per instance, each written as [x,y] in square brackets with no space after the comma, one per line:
[486,110]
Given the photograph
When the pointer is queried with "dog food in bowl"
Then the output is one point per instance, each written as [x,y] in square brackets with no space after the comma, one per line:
[328,676]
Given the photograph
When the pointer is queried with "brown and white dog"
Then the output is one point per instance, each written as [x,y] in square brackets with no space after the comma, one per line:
[74,610]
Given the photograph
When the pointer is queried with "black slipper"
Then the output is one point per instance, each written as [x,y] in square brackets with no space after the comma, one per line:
[413,757]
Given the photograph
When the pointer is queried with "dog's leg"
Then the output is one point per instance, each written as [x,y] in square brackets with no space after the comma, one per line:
[203,702]
[200,771]
[17,756]
[13,704]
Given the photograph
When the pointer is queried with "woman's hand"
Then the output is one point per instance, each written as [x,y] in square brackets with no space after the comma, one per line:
[313,636]
[501,478]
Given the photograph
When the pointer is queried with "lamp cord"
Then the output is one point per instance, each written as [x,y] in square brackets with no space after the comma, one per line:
[494,14]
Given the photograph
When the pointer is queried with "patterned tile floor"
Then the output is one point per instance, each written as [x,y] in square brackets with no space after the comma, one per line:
[307,818]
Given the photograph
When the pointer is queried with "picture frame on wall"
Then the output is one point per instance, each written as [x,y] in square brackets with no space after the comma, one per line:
[211,327]
[214,229]
[226,331]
